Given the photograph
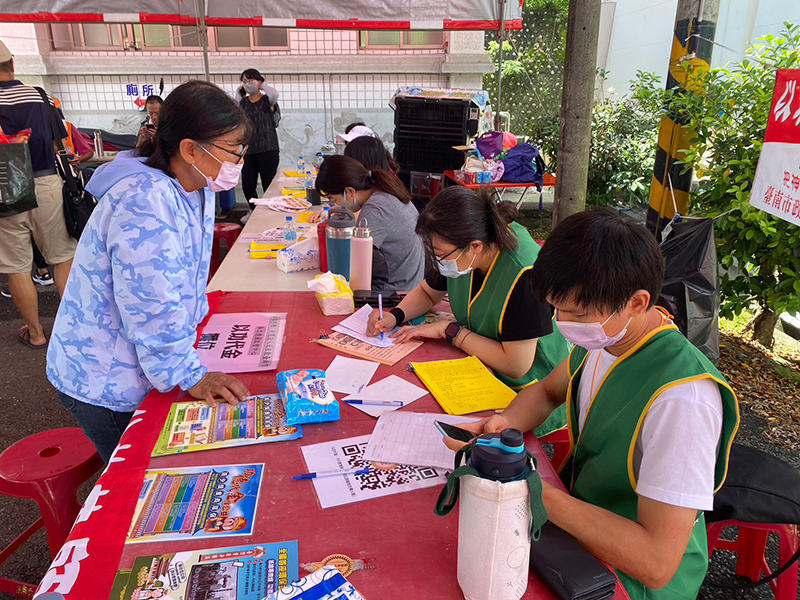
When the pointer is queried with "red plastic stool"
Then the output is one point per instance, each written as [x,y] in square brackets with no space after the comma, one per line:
[560,440]
[222,231]
[750,546]
[47,467]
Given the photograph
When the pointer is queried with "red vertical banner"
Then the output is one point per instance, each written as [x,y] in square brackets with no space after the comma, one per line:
[776,188]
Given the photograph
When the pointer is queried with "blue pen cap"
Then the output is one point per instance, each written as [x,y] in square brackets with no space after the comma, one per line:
[500,456]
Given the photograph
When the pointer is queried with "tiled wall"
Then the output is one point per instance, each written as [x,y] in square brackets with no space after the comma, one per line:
[298,92]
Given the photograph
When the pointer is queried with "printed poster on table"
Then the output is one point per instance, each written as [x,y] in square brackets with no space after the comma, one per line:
[238,573]
[383,479]
[242,342]
[196,502]
[776,187]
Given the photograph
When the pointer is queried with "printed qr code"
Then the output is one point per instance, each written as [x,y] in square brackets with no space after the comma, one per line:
[379,479]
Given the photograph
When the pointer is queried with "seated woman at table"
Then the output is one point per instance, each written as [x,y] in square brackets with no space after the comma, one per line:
[127,320]
[483,260]
[371,153]
[382,202]
[653,418]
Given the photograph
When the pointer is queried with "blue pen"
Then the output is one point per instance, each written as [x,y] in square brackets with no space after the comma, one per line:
[380,309]
[375,402]
[363,471]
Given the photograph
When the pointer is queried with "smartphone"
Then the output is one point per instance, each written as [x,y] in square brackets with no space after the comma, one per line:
[462,435]
[150,127]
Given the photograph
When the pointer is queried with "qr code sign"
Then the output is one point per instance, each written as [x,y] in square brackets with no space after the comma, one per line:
[382,478]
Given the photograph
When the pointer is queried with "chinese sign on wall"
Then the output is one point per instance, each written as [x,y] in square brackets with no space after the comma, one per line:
[776,188]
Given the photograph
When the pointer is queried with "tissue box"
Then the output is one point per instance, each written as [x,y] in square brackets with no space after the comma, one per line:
[307,397]
[303,256]
[324,584]
[338,302]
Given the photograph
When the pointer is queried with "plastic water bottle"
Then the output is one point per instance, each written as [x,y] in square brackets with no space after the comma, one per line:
[309,183]
[289,233]
[301,165]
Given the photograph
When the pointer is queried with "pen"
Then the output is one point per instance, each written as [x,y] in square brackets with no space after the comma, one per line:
[375,402]
[363,471]
[380,309]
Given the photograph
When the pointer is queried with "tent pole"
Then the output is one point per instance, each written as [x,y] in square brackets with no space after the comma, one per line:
[204,38]
[501,35]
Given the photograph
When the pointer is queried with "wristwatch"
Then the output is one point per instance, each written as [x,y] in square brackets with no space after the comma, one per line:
[452,331]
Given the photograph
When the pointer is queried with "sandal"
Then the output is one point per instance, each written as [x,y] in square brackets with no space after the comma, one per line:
[24,338]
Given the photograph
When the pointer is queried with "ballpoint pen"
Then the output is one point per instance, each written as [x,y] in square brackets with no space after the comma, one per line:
[380,309]
[375,402]
[363,471]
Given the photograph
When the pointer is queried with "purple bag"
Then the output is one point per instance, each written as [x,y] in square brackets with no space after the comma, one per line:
[524,165]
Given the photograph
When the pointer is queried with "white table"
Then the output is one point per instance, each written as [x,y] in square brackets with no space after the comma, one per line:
[240,273]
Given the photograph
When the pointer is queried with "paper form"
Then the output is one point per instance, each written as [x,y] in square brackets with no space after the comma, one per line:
[464,385]
[383,479]
[356,326]
[412,438]
[349,375]
[343,342]
[391,388]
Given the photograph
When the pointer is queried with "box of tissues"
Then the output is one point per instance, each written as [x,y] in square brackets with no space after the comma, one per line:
[302,256]
[333,294]
[324,584]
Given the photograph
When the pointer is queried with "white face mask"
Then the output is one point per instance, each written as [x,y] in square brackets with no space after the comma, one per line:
[226,179]
[251,87]
[351,206]
[449,267]
[591,336]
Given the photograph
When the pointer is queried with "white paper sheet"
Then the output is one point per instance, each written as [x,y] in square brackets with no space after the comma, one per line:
[349,375]
[242,342]
[383,479]
[412,438]
[356,326]
[390,388]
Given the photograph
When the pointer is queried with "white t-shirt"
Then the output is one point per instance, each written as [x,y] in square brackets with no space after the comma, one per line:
[676,452]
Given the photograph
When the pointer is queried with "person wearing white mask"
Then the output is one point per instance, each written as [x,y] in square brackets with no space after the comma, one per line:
[127,320]
[482,259]
[651,420]
[260,103]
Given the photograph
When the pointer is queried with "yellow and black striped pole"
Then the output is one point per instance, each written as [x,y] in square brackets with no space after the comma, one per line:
[695,24]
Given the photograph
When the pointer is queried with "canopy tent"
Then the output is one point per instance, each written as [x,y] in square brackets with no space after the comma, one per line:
[335,14]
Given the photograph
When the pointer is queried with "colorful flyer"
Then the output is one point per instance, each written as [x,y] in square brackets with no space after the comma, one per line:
[196,502]
[238,573]
[194,426]
[242,342]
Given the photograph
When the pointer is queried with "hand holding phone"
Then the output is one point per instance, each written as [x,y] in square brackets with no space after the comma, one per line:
[451,431]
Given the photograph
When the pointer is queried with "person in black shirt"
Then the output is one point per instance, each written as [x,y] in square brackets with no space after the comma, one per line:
[260,103]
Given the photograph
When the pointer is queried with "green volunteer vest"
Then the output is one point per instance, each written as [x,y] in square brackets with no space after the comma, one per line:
[600,468]
[483,314]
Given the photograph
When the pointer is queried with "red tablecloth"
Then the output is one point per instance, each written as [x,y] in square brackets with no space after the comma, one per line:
[414,552]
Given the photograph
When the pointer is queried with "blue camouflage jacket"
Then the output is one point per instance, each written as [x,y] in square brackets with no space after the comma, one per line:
[136,291]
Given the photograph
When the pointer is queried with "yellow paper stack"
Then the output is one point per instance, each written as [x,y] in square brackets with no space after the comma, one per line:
[464,385]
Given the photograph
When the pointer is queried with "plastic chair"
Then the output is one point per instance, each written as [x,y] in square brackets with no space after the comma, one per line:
[222,231]
[47,467]
[750,546]
[560,440]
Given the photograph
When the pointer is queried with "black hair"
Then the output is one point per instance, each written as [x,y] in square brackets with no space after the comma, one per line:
[250,74]
[349,128]
[371,153]
[460,216]
[195,110]
[598,260]
[5,67]
[154,99]
[339,172]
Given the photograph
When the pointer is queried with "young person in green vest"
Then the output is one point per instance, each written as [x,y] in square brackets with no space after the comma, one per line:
[650,419]
[482,259]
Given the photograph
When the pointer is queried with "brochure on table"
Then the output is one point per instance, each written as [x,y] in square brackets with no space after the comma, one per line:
[238,573]
[196,502]
[242,342]
[194,426]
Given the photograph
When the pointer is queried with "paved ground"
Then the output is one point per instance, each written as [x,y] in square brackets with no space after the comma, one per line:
[29,405]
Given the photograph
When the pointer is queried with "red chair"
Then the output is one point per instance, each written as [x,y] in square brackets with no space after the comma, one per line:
[222,231]
[560,440]
[47,467]
[750,546]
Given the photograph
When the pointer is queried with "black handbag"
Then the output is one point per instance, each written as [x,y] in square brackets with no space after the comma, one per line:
[17,188]
[78,203]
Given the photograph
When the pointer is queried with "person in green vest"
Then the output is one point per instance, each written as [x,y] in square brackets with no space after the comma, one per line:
[651,420]
[482,259]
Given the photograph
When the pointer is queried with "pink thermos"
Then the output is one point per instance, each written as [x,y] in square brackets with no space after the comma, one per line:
[361,257]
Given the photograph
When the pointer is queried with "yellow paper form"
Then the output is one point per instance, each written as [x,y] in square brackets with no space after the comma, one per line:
[464,385]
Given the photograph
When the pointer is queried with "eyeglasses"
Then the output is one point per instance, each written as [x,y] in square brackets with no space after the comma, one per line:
[239,155]
[440,258]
